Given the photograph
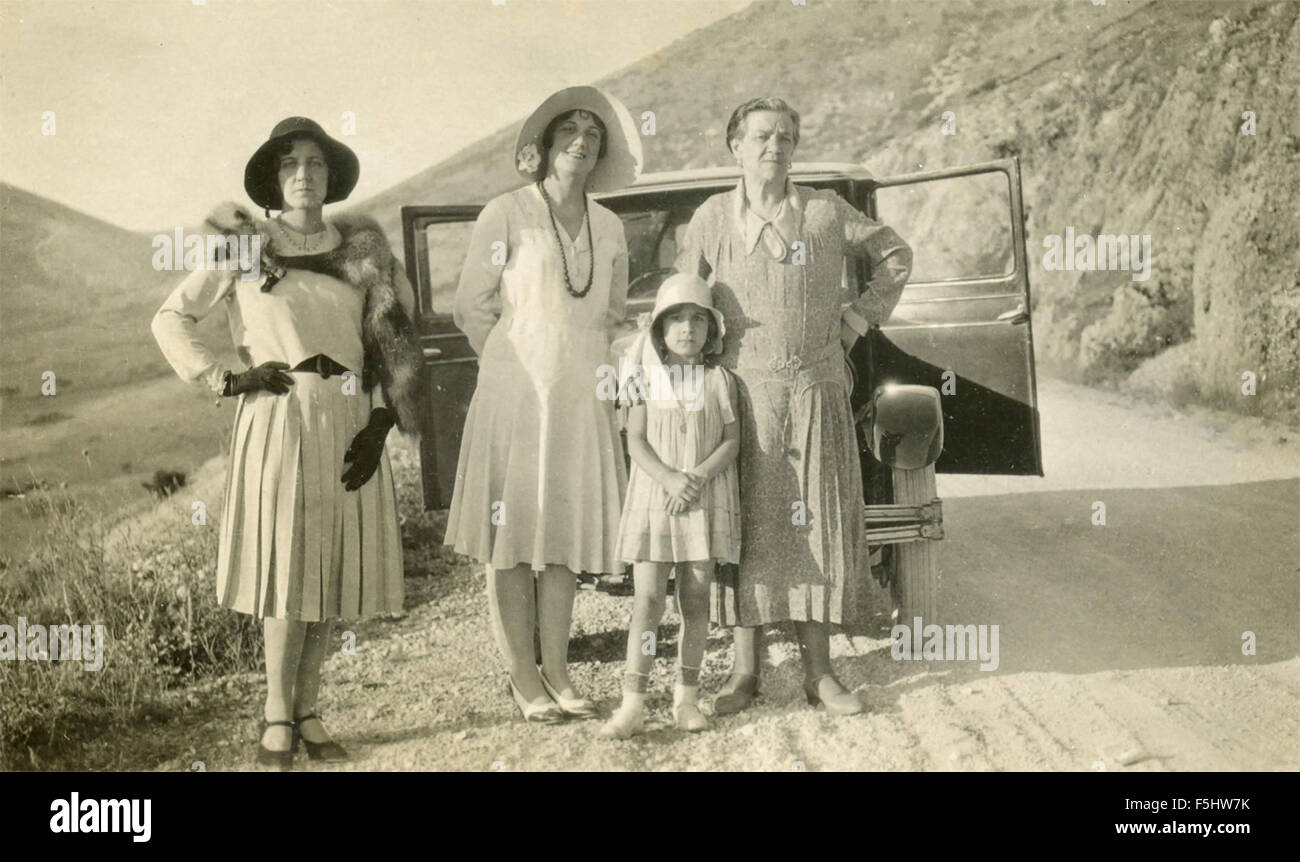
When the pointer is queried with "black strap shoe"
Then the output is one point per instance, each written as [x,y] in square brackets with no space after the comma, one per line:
[328,751]
[280,761]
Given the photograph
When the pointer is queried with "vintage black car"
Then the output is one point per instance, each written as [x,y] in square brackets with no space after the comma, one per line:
[946,384]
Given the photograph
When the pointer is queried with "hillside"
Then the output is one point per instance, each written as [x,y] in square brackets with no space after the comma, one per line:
[77,295]
[1125,117]
[76,298]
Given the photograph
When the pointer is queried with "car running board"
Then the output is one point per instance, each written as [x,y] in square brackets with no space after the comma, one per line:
[892,523]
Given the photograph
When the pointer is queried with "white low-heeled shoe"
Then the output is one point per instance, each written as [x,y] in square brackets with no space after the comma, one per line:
[574,707]
[540,713]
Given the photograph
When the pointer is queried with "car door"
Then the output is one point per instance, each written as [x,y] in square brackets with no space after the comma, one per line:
[435,239]
[963,323]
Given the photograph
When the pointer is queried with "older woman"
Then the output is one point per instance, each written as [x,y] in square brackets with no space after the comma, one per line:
[309,532]
[774,253]
[541,475]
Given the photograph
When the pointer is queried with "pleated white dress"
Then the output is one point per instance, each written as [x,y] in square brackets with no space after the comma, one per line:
[541,477]
[295,544]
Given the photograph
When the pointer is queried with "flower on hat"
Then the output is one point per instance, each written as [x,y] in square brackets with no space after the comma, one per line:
[529,159]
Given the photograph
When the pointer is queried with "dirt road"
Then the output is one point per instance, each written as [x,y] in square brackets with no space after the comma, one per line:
[1121,646]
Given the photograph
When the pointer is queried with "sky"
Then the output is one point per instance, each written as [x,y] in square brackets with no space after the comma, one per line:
[157,104]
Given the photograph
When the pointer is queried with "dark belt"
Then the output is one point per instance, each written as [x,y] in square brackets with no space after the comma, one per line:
[322,365]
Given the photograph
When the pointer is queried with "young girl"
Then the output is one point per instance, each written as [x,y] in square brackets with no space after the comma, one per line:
[683,499]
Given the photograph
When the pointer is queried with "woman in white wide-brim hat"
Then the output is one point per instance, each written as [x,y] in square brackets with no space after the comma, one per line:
[541,474]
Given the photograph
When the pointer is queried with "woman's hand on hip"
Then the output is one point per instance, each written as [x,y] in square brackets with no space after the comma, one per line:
[268,377]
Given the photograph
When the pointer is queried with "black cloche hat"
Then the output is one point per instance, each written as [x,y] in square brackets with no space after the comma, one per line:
[261,174]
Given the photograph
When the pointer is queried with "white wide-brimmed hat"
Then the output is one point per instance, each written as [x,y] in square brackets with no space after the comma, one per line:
[621,164]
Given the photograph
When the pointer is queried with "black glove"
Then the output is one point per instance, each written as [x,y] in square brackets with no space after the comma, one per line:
[367,447]
[268,376]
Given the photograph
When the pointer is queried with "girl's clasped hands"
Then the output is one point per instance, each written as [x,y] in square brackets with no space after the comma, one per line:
[684,489]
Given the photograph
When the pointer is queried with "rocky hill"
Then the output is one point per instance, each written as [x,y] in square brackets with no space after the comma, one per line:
[1127,118]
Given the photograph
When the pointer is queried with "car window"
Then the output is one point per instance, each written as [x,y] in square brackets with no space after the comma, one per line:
[653,237]
[447,244]
[958,227]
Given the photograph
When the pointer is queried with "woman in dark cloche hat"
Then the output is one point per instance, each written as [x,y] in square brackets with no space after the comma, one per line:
[323,322]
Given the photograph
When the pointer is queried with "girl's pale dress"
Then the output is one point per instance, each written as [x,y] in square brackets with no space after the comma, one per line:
[682,438]
[541,475]
[805,556]
[295,544]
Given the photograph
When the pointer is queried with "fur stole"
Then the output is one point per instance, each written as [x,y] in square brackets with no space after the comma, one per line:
[364,260]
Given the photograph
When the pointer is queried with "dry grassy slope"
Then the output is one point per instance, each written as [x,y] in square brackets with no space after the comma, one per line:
[76,298]
[1125,117]
[77,295]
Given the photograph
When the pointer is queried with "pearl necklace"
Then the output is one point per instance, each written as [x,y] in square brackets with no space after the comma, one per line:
[564,258]
[290,243]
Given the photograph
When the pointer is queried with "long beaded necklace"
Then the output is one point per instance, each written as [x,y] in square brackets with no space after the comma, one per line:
[555,227]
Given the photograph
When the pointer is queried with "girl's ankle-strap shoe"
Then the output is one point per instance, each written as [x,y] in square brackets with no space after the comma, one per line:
[689,717]
[624,724]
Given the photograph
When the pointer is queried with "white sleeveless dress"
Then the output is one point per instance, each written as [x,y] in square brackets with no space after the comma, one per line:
[541,473]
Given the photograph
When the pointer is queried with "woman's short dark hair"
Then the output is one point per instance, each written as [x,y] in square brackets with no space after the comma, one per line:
[548,136]
[657,334]
[286,147]
[736,125]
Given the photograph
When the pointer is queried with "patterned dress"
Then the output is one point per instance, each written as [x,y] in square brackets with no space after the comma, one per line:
[805,555]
